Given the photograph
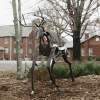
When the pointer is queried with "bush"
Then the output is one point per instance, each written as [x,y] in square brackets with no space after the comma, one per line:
[62,70]
[78,70]
[90,58]
[97,69]
[98,59]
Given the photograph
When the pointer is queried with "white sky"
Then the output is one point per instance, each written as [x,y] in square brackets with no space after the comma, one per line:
[6,15]
[5,12]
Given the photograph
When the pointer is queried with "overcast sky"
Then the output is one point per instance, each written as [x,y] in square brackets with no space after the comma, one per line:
[6,16]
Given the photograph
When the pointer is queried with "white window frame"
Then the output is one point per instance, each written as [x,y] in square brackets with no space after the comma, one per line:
[97,39]
[21,51]
[30,50]
[82,52]
[6,50]
[6,40]
[14,50]
[90,51]
[69,54]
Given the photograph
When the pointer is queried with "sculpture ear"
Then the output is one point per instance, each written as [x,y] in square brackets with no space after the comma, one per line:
[48,33]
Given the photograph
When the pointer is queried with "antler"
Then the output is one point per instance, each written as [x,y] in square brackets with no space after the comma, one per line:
[41,23]
[41,16]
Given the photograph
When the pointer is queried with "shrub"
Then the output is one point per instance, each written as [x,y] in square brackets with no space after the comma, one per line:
[97,69]
[62,70]
[90,58]
[78,70]
[89,68]
[98,59]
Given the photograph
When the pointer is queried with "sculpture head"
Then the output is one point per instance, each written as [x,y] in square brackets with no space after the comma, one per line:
[44,40]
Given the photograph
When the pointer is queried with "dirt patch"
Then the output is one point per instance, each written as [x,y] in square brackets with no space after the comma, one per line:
[84,88]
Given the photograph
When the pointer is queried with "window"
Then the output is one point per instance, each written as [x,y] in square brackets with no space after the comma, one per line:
[14,50]
[69,53]
[90,52]
[21,51]
[6,50]
[30,42]
[30,50]
[15,42]
[6,40]
[97,39]
[82,52]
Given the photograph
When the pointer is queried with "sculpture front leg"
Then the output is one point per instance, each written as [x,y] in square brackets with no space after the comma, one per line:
[32,77]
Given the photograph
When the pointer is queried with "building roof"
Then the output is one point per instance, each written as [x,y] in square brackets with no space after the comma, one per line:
[90,38]
[2,48]
[70,44]
[8,30]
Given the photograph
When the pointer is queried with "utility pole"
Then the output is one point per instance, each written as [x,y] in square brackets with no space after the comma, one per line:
[20,18]
[18,38]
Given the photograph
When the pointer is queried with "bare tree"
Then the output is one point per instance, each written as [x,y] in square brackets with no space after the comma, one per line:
[72,17]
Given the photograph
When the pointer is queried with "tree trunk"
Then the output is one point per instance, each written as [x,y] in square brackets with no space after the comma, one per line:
[76,46]
[17,35]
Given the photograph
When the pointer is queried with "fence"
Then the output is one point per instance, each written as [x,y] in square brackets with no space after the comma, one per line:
[12,65]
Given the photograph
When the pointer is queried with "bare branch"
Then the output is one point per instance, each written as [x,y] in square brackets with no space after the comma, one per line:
[84,29]
[87,9]
[24,19]
[24,25]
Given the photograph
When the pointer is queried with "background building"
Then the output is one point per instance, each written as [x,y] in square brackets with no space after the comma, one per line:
[8,43]
[90,47]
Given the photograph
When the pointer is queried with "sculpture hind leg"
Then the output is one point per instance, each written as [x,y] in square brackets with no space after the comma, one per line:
[70,68]
[50,66]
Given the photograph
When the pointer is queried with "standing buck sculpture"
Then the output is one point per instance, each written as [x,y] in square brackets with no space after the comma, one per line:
[51,51]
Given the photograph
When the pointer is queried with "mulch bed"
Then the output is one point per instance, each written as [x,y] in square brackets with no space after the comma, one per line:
[84,88]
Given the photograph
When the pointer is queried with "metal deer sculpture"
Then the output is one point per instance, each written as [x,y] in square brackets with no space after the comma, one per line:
[51,51]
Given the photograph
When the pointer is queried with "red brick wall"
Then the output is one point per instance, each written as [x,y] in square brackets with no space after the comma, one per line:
[5,43]
[27,43]
[92,43]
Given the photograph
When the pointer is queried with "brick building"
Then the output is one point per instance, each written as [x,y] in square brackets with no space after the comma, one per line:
[90,47]
[8,43]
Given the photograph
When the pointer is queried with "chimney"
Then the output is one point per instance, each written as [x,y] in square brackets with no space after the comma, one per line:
[86,36]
